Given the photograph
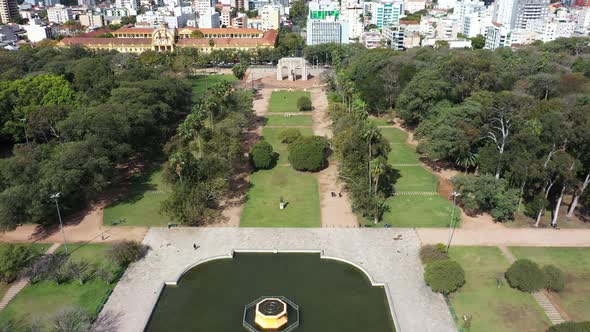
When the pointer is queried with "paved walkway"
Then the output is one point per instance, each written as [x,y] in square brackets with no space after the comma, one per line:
[394,263]
[541,297]
[17,286]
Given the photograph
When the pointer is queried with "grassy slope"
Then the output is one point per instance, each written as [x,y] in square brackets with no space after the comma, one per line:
[300,190]
[295,120]
[200,83]
[493,308]
[45,299]
[141,207]
[575,263]
[271,135]
[286,101]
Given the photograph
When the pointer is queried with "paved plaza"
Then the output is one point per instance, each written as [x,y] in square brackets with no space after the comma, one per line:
[389,256]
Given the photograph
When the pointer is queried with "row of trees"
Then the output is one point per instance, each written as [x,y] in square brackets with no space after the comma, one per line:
[521,116]
[205,153]
[70,119]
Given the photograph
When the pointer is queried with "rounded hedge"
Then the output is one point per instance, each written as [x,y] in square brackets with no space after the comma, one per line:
[432,253]
[290,135]
[525,275]
[444,276]
[262,155]
[308,153]
[304,104]
[570,327]
[554,279]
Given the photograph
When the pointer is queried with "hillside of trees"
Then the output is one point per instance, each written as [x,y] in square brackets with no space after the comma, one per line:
[516,121]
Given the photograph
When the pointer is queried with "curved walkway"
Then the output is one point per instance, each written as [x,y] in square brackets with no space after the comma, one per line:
[394,263]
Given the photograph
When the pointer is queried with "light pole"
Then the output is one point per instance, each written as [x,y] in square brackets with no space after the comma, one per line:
[24,121]
[55,197]
[453,223]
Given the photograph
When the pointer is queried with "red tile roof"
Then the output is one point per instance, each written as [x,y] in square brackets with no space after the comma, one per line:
[219,31]
[134,30]
[106,41]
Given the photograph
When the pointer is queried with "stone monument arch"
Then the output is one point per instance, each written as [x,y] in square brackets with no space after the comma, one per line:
[291,68]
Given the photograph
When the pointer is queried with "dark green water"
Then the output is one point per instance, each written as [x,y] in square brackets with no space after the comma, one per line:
[332,296]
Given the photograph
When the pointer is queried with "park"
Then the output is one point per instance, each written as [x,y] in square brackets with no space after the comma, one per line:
[296,193]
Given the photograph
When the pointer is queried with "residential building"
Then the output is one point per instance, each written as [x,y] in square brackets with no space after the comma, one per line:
[134,5]
[270,17]
[225,17]
[37,31]
[323,31]
[497,36]
[8,11]
[372,39]
[394,35]
[552,28]
[351,16]
[514,14]
[240,21]
[59,14]
[387,12]
[87,3]
[92,20]
[413,6]
[209,20]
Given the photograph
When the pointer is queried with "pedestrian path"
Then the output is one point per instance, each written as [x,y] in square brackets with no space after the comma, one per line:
[539,296]
[17,286]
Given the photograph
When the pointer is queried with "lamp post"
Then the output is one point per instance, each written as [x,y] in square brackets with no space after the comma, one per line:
[453,223]
[55,197]
[24,121]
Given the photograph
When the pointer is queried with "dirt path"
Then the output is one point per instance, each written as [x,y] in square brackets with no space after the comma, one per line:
[88,229]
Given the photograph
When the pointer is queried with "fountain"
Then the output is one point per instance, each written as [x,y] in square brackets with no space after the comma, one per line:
[271,313]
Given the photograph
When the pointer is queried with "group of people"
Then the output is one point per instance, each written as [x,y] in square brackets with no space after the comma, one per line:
[334,194]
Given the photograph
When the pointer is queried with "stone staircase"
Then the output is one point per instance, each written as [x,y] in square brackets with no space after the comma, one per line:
[550,310]
[540,296]
[17,286]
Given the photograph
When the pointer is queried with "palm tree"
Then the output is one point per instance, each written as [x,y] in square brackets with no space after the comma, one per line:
[177,161]
[372,134]
[378,168]
[192,127]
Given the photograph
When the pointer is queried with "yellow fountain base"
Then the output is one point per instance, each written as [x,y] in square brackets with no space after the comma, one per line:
[273,323]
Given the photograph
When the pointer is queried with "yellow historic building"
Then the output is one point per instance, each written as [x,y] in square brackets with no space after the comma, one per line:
[137,40]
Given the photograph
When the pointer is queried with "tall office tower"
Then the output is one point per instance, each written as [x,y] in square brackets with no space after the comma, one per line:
[8,10]
[514,14]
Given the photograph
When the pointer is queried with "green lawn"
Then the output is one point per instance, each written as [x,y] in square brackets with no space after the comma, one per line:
[412,211]
[201,83]
[271,135]
[575,263]
[43,300]
[295,120]
[286,101]
[380,121]
[493,308]
[141,206]
[41,247]
[299,190]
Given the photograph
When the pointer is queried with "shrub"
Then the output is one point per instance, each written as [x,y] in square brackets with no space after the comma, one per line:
[262,155]
[14,258]
[127,252]
[304,104]
[570,327]
[308,153]
[46,267]
[444,276]
[554,279]
[431,253]
[525,275]
[290,135]
[239,70]
[72,320]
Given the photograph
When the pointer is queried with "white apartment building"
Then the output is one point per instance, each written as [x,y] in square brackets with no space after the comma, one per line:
[92,20]
[350,15]
[270,16]
[209,19]
[550,29]
[36,31]
[372,39]
[59,14]
[225,16]
[413,6]
[394,35]
[514,14]
[498,36]
[133,5]
[582,21]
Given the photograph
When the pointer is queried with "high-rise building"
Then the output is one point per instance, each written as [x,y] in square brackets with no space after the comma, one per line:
[133,5]
[270,17]
[323,31]
[514,14]
[387,12]
[8,10]
[59,14]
